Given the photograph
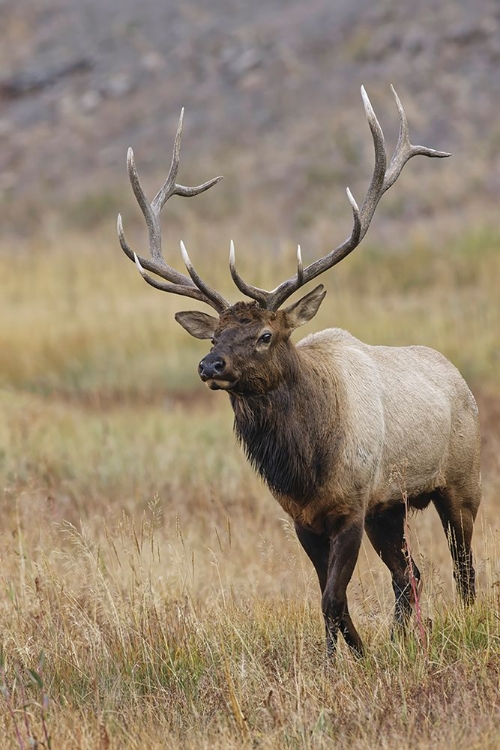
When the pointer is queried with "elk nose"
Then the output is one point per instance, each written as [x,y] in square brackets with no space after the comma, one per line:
[211,366]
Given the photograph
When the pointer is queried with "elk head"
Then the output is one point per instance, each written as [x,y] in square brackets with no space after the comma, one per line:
[251,347]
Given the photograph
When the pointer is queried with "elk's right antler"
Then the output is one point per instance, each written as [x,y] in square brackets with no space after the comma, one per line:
[192,286]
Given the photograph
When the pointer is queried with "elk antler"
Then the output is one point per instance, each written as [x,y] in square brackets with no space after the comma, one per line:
[178,283]
[383,178]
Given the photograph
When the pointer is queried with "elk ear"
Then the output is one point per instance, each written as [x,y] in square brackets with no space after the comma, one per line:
[198,324]
[306,308]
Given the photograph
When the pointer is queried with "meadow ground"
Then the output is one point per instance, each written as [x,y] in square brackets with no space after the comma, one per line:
[152,595]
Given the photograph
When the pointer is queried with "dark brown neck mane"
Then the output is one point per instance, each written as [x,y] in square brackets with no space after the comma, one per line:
[284,435]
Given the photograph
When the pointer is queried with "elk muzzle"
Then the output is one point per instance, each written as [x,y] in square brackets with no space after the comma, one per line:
[214,371]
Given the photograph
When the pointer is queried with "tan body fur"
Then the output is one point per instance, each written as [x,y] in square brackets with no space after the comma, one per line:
[382,394]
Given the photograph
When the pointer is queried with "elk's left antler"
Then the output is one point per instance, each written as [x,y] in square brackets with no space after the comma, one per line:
[383,178]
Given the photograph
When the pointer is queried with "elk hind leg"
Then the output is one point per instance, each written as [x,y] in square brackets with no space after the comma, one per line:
[457,517]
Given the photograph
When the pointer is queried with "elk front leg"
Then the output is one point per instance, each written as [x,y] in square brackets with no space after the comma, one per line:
[317,548]
[344,549]
[387,534]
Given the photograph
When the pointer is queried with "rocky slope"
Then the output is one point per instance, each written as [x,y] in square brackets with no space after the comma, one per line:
[271,91]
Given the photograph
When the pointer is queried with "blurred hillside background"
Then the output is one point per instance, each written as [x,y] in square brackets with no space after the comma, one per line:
[271,91]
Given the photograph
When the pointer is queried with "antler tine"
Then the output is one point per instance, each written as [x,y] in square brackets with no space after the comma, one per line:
[260,295]
[185,291]
[168,186]
[178,282]
[404,149]
[300,267]
[382,179]
[218,302]
[276,298]
[376,185]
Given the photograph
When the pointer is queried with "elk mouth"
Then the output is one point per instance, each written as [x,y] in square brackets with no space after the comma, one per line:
[220,384]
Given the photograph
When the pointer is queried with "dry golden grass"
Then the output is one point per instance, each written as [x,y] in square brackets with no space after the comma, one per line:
[141,556]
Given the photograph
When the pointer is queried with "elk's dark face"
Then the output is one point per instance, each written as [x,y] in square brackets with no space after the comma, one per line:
[251,346]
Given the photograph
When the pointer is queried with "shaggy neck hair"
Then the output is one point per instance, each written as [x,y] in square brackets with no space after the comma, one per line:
[283,433]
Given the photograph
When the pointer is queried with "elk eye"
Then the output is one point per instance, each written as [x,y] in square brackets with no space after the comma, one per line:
[265,338]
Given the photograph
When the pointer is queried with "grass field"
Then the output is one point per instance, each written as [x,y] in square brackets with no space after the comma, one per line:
[152,595]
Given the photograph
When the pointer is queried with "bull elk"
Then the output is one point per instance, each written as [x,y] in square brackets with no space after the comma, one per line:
[326,422]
